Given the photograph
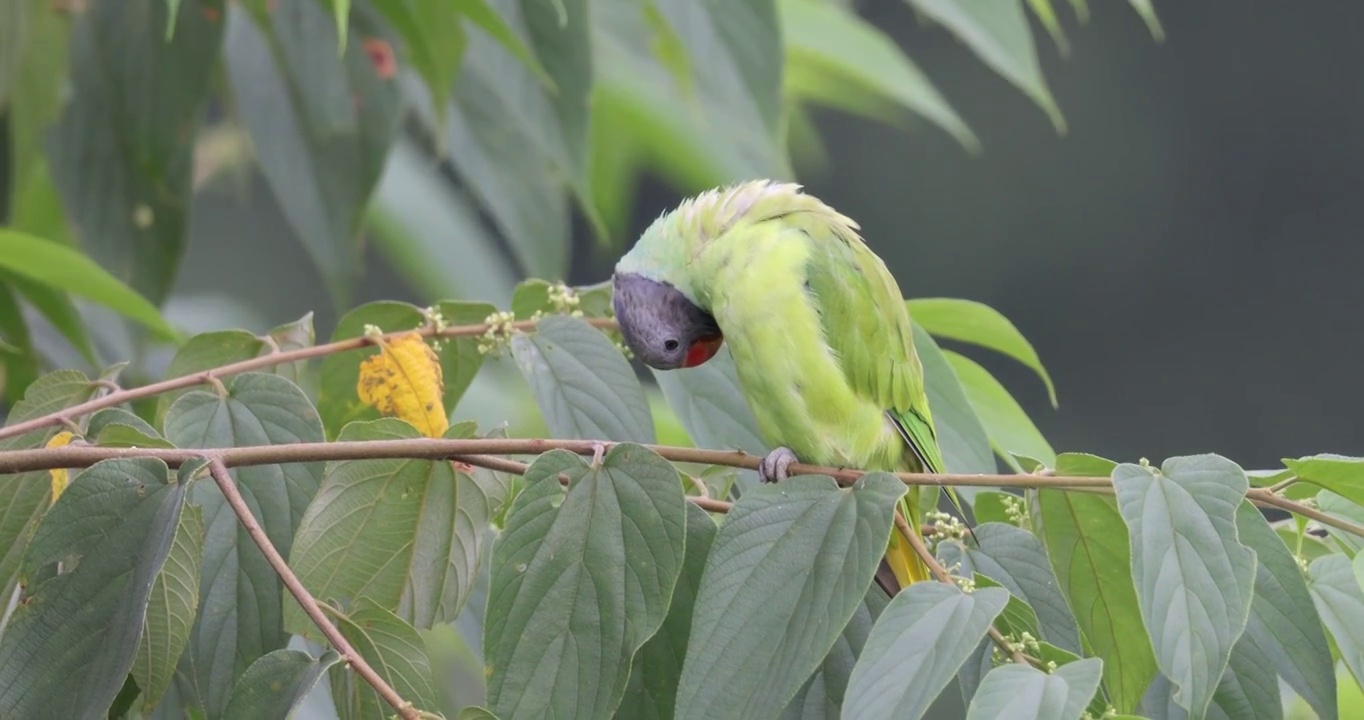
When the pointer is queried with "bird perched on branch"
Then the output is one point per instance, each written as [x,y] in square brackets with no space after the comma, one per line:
[816,324]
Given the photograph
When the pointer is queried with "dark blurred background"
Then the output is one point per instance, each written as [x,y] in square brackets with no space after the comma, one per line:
[1184,259]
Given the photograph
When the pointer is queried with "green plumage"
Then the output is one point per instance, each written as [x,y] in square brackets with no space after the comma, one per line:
[816,324]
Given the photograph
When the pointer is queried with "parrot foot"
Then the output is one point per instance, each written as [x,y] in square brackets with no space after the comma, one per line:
[773,467]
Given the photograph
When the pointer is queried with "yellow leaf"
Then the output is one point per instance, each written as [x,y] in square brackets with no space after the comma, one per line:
[60,476]
[404,381]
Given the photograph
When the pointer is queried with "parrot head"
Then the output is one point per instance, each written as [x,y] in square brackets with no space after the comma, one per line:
[660,325]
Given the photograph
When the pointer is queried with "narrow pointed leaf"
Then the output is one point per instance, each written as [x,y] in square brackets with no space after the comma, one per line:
[833,56]
[560,34]
[1010,428]
[582,383]
[407,534]
[121,152]
[979,324]
[656,667]
[1022,692]
[1147,11]
[397,653]
[1087,545]
[1016,560]
[277,682]
[1194,578]
[240,614]
[580,580]
[998,32]
[321,124]
[965,444]
[1283,621]
[711,405]
[786,573]
[73,638]
[64,268]
[57,308]
[1340,601]
[170,610]
[922,637]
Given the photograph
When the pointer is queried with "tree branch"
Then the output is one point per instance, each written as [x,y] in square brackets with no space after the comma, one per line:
[301,594]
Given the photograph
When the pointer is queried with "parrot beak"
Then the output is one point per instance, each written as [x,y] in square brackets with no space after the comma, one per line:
[661,326]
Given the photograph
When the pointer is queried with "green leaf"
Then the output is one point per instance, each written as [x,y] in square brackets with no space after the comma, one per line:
[1010,428]
[997,31]
[170,610]
[1087,545]
[787,571]
[711,406]
[1016,560]
[73,637]
[321,125]
[1194,578]
[1339,507]
[13,22]
[122,150]
[474,712]
[1249,688]
[1046,14]
[407,534]
[978,324]
[341,11]
[1340,601]
[1083,465]
[1022,692]
[395,650]
[1147,12]
[240,615]
[1283,622]
[822,695]
[459,357]
[1339,474]
[965,445]
[738,44]
[56,306]
[207,351]
[582,383]
[916,646]
[580,580]
[277,682]
[654,671]
[66,269]
[116,427]
[835,57]
[434,41]
[19,369]
[561,34]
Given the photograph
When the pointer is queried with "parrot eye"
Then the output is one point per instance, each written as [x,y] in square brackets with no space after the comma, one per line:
[670,345]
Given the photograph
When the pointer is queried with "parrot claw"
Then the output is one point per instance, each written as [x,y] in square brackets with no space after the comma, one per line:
[773,467]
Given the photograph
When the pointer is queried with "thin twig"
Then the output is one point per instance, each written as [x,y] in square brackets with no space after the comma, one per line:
[921,549]
[268,360]
[301,594]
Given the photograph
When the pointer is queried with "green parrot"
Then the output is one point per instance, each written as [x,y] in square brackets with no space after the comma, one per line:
[816,324]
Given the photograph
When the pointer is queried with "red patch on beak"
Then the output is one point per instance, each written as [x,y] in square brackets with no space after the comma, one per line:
[703,350]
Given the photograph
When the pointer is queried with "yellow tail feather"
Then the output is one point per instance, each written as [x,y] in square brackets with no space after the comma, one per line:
[903,561]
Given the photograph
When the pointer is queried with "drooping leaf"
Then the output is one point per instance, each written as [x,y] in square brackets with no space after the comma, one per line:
[979,324]
[964,442]
[737,42]
[122,150]
[915,648]
[711,405]
[170,610]
[74,635]
[1340,601]
[1339,474]
[1016,560]
[321,124]
[835,57]
[19,368]
[560,33]
[822,695]
[1009,427]
[277,682]
[1046,14]
[1087,545]
[407,534]
[1194,578]
[1283,622]
[786,573]
[997,31]
[1249,687]
[582,383]
[66,269]
[57,308]
[460,360]
[580,580]
[1147,12]
[1022,692]
[239,617]
[654,671]
[395,650]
